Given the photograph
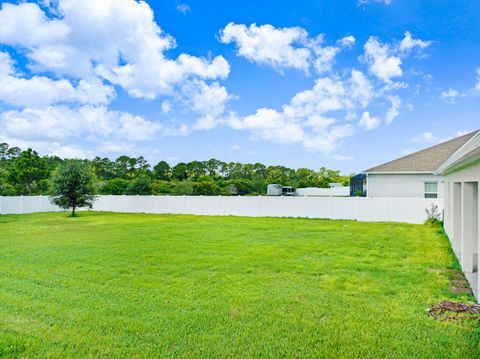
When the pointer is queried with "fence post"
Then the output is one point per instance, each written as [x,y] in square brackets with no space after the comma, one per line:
[357,214]
[305,204]
[21,204]
[387,209]
[419,219]
[331,207]
[1,208]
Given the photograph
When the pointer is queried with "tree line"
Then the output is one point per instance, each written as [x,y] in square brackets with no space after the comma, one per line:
[25,172]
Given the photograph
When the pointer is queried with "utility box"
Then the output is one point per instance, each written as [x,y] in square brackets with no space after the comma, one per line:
[274,190]
[279,190]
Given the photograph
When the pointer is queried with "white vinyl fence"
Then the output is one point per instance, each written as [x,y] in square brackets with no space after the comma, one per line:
[411,210]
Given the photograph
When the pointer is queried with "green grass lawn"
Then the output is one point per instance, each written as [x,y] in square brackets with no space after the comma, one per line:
[138,285]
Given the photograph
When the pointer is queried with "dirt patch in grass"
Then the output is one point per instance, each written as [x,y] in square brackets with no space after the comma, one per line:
[458,282]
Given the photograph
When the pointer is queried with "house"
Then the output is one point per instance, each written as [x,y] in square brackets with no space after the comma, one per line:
[461,174]
[414,175]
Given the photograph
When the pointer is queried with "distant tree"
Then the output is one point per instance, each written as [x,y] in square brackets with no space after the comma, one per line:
[6,189]
[73,186]
[212,167]
[141,167]
[205,188]
[259,184]
[304,177]
[3,151]
[162,171]
[28,169]
[53,162]
[140,186]
[162,187]
[104,168]
[115,186]
[278,174]
[183,188]
[180,171]
[13,152]
[25,172]
[325,176]
[260,170]
[196,170]
[239,186]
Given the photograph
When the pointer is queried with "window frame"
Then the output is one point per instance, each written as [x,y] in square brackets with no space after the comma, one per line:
[430,195]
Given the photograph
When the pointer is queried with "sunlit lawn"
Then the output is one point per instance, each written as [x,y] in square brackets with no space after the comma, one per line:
[138,285]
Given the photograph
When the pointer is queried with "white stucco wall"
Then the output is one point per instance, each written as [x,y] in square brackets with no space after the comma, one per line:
[465,175]
[401,185]
[462,219]
[468,174]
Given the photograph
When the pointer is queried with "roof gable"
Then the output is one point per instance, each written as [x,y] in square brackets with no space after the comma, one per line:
[427,160]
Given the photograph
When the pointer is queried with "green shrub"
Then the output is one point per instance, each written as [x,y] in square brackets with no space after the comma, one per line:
[239,187]
[205,188]
[162,187]
[140,186]
[115,186]
[183,188]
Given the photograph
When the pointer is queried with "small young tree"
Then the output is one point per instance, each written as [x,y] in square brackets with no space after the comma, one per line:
[73,186]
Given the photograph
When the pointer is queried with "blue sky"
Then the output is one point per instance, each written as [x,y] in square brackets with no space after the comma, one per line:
[341,84]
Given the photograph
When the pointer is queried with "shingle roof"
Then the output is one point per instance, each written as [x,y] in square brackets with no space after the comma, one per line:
[427,160]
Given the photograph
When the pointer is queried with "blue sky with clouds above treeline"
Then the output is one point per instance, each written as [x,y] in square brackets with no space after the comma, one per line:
[345,85]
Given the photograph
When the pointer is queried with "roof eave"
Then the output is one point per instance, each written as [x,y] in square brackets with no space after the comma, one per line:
[398,172]
[457,159]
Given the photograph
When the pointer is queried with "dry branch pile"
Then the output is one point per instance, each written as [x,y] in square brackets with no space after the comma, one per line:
[451,311]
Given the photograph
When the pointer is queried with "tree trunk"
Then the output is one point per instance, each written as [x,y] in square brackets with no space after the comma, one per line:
[73,211]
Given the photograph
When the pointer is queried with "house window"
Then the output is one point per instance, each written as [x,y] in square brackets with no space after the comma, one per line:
[431,190]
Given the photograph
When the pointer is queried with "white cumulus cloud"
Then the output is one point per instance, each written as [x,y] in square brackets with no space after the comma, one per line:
[425,137]
[317,118]
[79,52]
[393,112]
[265,44]
[368,122]
[450,95]
[183,8]
[385,60]
[347,41]
[408,43]
[114,40]
[41,91]
[282,48]
[360,87]
[63,124]
[381,61]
